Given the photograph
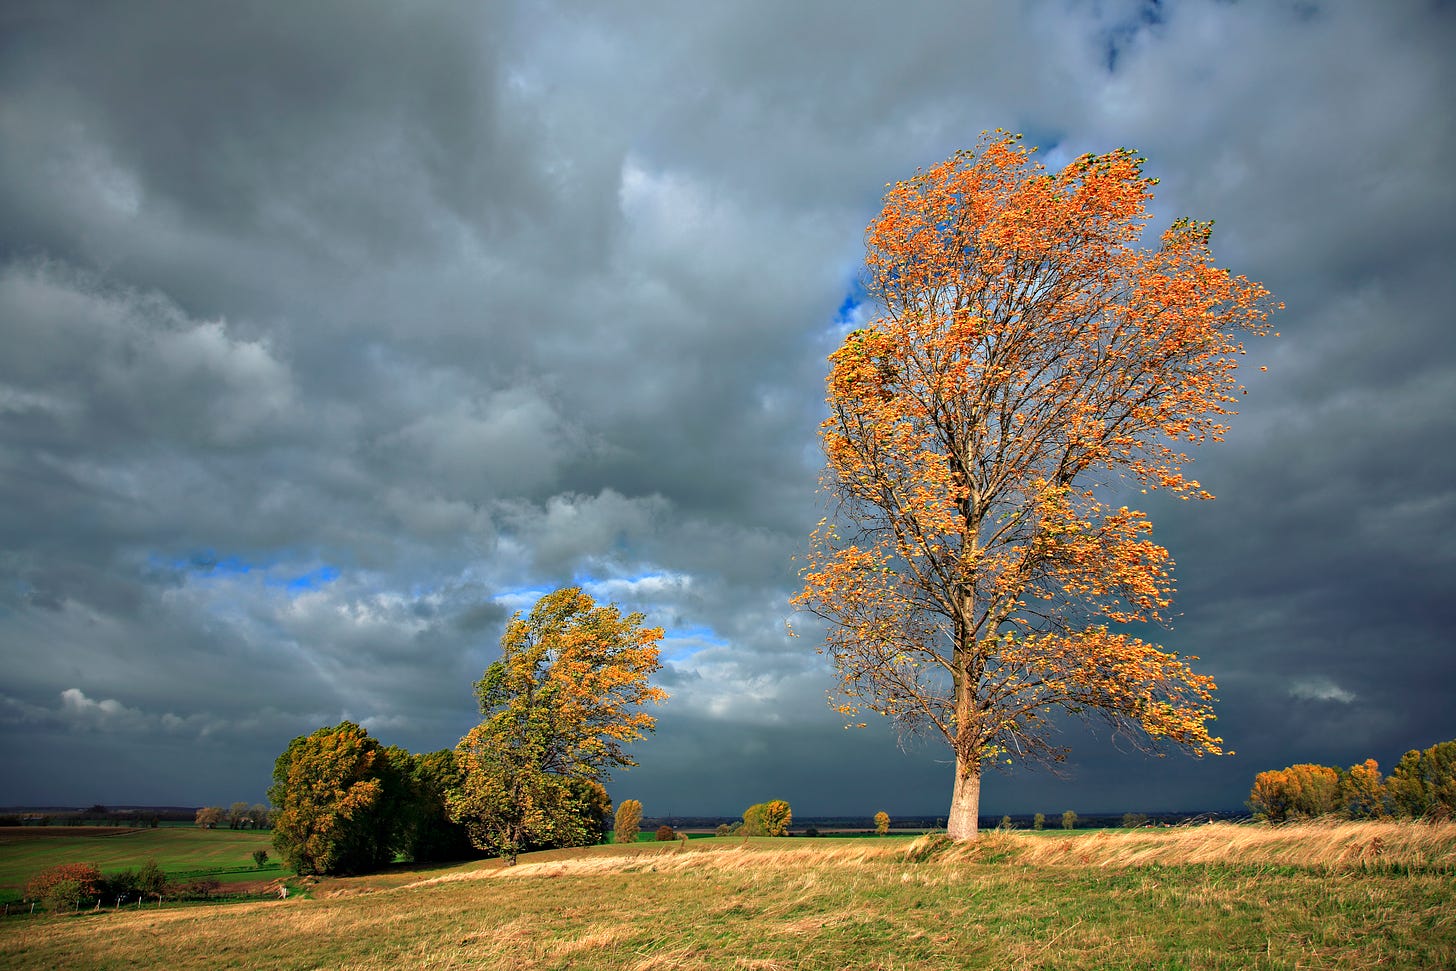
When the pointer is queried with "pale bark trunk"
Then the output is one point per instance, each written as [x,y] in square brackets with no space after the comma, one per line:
[965,802]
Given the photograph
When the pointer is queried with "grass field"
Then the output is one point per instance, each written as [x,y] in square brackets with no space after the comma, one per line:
[1352,895]
[184,853]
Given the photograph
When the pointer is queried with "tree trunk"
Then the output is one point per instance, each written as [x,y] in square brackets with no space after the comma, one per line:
[965,801]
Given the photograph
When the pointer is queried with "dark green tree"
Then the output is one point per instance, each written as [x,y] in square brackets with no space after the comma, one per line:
[1423,784]
[425,831]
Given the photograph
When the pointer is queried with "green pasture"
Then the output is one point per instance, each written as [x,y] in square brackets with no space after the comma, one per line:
[182,853]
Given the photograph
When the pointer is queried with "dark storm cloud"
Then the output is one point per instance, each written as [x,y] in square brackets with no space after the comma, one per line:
[334,333]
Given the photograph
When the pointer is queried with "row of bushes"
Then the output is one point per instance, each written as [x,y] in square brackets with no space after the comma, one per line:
[1421,786]
[68,886]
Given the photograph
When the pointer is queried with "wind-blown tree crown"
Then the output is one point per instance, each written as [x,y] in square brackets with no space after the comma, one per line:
[1030,361]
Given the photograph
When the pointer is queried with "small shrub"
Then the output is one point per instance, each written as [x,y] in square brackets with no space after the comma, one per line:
[151,880]
[812,831]
[64,886]
[1005,824]
[723,830]
[665,834]
[260,858]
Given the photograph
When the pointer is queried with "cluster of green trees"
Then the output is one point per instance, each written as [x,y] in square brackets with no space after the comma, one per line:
[559,708]
[347,804]
[772,818]
[1421,786]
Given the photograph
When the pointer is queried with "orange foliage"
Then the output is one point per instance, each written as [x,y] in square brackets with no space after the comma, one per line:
[1303,790]
[1028,355]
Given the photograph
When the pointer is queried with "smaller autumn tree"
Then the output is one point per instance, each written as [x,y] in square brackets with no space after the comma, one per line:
[882,822]
[1362,792]
[1069,820]
[209,816]
[628,822]
[561,704]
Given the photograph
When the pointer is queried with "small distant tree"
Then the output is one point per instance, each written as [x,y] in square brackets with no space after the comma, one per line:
[665,834]
[723,830]
[1134,820]
[1069,820]
[209,816]
[628,821]
[258,816]
[882,822]
[1423,784]
[1038,822]
[260,858]
[772,818]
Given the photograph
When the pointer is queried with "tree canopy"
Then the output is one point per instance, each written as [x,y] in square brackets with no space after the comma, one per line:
[1029,365]
[560,707]
[330,789]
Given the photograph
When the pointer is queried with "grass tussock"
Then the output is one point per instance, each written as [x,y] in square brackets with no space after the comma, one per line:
[1228,897]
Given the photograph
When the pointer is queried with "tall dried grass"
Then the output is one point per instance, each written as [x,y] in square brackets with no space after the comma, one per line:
[1324,845]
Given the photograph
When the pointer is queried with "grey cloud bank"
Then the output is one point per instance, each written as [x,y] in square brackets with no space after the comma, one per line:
[334,333]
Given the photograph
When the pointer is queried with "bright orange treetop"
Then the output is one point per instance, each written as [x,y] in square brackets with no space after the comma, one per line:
[1028,357]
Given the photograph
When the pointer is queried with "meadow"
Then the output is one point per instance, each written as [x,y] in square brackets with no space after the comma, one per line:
[183,852]
[1317,895]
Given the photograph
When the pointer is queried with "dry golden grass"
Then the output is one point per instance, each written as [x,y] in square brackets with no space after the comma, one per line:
[1316,844]
[1206,897]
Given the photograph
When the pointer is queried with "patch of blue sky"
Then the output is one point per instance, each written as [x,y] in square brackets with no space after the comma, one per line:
[681,643]
[849,306]
[206,565]
[312,580]
[520,598]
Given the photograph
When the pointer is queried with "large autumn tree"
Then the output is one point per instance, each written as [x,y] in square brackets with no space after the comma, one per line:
[337,793]
[1031,363]
[560,707]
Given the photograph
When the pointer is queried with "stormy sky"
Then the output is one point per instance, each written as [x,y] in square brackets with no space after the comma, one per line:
[332,333]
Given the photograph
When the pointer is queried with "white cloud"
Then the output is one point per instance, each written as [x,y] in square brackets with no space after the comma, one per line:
[1319,688]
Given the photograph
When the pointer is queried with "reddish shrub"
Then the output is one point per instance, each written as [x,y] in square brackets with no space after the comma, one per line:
[65,884]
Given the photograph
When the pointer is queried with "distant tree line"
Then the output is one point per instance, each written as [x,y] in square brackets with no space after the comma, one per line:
[1421,786]
[239,815]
